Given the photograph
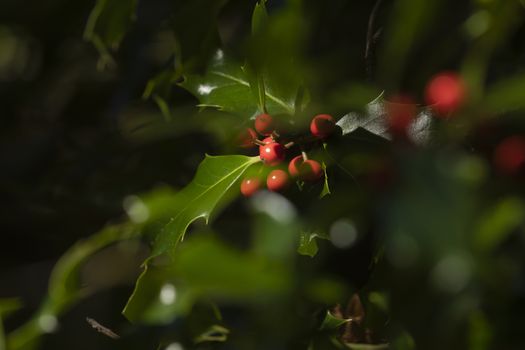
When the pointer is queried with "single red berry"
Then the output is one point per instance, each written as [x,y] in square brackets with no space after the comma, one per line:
[264,124]
[322,125]
[446,92]
[509,155]
[310,170]
[294,165]
[306,170]
[246,137]
[400,111]
[250,185]
[277,180]
[272,153]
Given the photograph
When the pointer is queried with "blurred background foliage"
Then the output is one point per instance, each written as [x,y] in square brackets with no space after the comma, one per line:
[110,106]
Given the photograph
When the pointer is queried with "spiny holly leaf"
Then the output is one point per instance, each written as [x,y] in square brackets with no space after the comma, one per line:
[211,188]
[374,120]
[226,86]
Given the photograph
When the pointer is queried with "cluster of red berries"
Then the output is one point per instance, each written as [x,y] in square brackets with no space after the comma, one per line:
[273,153]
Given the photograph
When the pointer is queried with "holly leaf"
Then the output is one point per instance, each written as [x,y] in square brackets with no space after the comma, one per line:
[374,120]
[226,86]
[332,322]
[308,243]
[205,269]
[212,187]
[420,129]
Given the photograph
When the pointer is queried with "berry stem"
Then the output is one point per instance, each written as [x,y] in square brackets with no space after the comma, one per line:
[289,145]
[305,156]
[258,142]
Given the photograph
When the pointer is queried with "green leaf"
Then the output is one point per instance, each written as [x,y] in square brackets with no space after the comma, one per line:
[226,86]
[403,341]
[9,305]
[308,243]
[212,187]
[204,268]
[374,120]
[326,187]
[64,284]
[259,17]
[215,333]
[332,322]
[194,24]
[257,86]
[499,222]
[480,331]
[107,24]
[507,95]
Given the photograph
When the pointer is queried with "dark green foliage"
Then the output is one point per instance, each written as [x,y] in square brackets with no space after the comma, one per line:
[412,240]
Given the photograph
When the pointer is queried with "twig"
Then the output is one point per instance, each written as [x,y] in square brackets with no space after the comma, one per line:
[100,328]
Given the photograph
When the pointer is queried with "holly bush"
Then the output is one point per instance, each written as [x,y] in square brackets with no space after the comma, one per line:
[269,175]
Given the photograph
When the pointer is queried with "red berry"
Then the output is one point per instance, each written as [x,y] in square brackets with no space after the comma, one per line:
[272,153]
[445,92]
[294,165]
[246,137]
[310,170]
[400,111]
[268,140]
[277,180]
[306,170]
[509,155]
[264,124]
[322,125]
[250,185]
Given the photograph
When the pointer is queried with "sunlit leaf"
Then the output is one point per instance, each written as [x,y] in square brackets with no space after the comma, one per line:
[374,120]
[212,187]
[226,86]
